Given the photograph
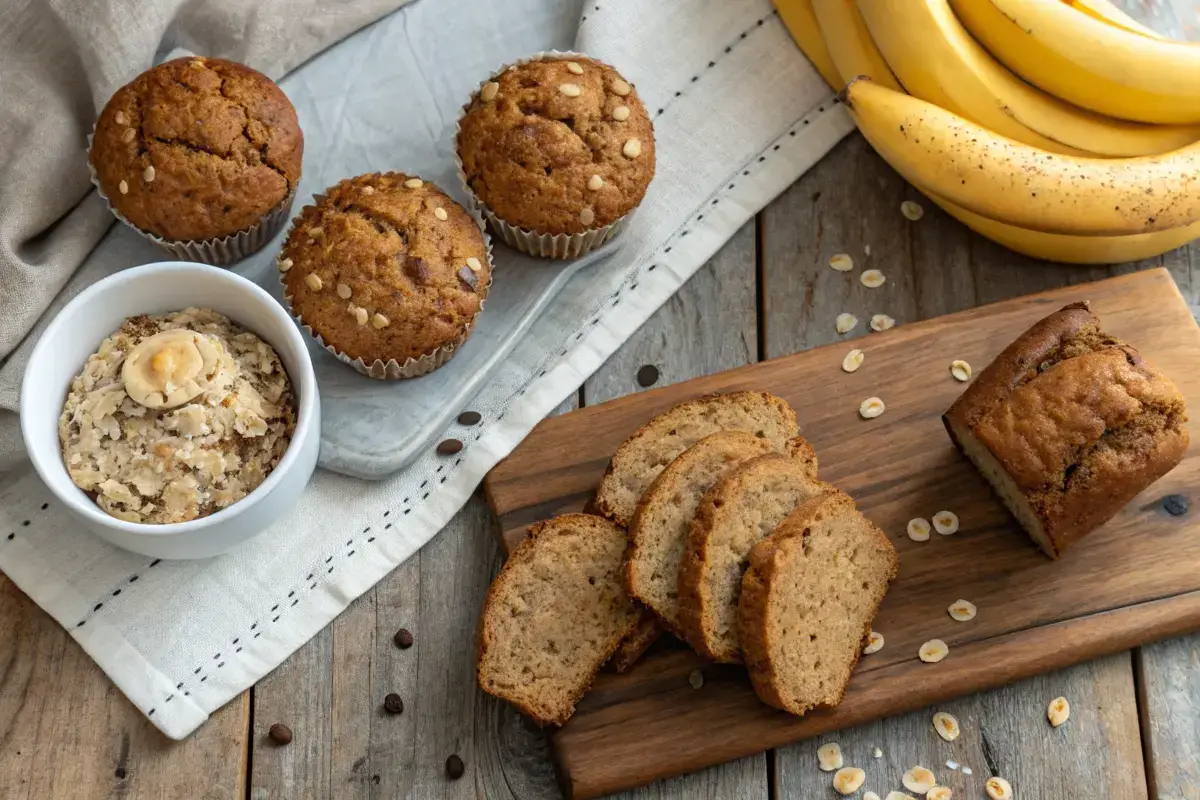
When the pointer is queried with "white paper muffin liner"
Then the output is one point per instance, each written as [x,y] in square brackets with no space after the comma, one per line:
[544,245]
[392,370]
[219,252]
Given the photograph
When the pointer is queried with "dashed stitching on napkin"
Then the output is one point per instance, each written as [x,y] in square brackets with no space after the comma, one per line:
[758,23]
[132,579]
[406,506]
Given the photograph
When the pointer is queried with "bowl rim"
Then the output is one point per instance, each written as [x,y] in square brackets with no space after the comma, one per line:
[306,408]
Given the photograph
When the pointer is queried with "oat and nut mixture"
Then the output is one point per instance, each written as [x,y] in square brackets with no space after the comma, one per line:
[176,417]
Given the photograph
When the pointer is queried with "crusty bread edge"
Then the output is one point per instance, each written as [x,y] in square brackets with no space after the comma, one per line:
[603,503]
[753,604]
[633,646]
[519,555]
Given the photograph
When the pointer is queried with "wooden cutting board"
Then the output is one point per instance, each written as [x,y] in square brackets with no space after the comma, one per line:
[1134,581]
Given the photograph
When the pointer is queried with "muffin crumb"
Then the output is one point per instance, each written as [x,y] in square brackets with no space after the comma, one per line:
[402,266]
[540,144]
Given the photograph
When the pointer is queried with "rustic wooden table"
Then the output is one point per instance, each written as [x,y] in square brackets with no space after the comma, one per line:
[67,732]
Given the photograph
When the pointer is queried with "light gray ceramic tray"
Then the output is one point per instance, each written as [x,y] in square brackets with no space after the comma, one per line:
[371,428]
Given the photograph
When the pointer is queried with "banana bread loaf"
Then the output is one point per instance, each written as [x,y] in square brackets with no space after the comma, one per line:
[1069,424]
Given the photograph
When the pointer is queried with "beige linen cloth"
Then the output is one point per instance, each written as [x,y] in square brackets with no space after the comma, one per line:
[60,61]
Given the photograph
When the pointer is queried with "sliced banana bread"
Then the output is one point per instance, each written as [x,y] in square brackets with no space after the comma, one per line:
[741,510]
[807,602]
[1068,424]
[554,615]
[664,514]
[647,452]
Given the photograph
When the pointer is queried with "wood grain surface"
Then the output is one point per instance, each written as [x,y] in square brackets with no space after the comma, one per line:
[649,723]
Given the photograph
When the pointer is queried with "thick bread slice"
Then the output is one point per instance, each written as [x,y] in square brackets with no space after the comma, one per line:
[664,514]
[554,615]
[638,461]
[808,598]
[741,510]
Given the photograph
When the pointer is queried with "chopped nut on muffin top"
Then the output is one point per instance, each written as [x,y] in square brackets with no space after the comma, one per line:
[197,149]
[386,267]
[558,145]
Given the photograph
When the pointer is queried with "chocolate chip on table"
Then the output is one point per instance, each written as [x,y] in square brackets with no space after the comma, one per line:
[455,767]
[647,375]
[393,704]
[469,418]
[449,447]
[1175,504]
[403,639]
[280,734]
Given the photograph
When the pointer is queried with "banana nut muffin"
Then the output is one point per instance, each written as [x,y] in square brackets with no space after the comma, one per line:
[197,149]
[386,267]
[557,145]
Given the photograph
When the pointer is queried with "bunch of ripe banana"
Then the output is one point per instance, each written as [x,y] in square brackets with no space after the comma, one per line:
[1062,129]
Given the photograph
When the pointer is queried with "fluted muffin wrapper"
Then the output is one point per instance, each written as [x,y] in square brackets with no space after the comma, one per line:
[219,252]
[544,245]
[393,370]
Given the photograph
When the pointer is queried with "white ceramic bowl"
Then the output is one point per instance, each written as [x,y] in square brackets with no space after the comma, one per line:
[155,289]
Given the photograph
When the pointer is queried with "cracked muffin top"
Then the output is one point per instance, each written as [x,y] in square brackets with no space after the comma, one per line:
[386,267]
[557,145]
[197,149]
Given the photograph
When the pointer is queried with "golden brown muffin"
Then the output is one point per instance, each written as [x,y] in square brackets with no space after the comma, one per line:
[1068,424]
[197,149]
[557,146]
[386,267]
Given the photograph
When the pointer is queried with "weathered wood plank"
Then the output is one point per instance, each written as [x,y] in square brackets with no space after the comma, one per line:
[66,731]
[297,694]
[933,266]
[1169,696]
[1003,732]
[709,325]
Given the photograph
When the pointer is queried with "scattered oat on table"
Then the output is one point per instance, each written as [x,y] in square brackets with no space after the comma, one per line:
[933,651]
[918,529]
[961,370]
[867,249]
[872,278]
[946,726]
[844,323]
[871,408]
[848,780]
[966,770]
[919,779]
[853,360]
[842,262]
[882,322]
[696,679]
[952,765]
[1058,711]
[945,522]
[876,752]
[962,610]
[829,757]
[911,211]
[874,644]
[999,789]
